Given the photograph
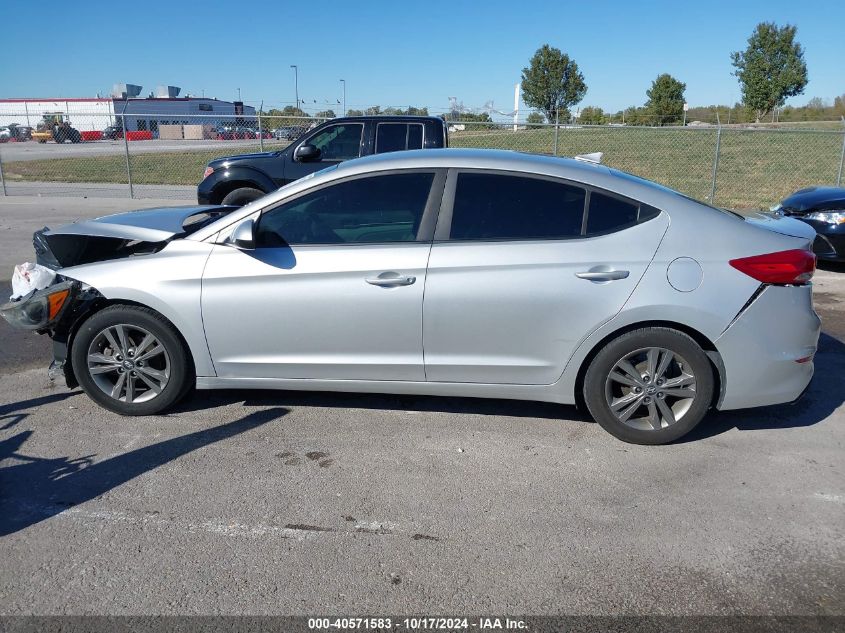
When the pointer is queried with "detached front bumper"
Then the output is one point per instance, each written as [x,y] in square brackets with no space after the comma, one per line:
[768,350]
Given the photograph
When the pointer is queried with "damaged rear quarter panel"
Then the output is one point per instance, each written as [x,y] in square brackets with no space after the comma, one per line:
[168,281]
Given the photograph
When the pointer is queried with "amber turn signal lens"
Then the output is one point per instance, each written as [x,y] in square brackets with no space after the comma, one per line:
[56,301]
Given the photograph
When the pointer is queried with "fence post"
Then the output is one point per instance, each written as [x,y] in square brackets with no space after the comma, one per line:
[3,178]
[260,133]
[841,157]
[716,161]
[126,151]
[557,114]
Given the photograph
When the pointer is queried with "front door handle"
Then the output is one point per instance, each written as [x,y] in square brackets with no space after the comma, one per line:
[391,279]
[599,276]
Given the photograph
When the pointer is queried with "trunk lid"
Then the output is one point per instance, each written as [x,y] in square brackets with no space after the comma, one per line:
[777,223]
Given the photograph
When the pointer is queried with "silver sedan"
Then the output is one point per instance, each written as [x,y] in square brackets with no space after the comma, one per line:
[442,272]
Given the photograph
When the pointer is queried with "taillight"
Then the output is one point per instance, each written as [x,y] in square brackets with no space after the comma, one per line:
[784,267]
[208,171]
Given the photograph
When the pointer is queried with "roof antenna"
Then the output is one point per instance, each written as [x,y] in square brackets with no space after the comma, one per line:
[594,158]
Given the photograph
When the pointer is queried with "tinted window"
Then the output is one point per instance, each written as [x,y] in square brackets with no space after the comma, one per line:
[338,142]
[394,137]
[415,136]
[608,214]
[385,208]
[495,206]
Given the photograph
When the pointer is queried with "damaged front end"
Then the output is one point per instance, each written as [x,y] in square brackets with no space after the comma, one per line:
[58,309]
[55,311]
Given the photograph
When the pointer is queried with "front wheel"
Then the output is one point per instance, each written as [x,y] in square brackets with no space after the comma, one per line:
[649,386]
[130,360]
[240,197]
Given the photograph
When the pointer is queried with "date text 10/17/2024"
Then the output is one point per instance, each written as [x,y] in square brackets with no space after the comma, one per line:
[420,623]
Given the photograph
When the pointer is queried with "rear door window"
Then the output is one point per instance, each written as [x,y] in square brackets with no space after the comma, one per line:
[509,207]
[395,137]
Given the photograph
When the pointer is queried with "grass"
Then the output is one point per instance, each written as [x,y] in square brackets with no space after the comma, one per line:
[756,167]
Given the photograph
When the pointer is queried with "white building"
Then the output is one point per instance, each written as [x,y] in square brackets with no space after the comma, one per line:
[141,113]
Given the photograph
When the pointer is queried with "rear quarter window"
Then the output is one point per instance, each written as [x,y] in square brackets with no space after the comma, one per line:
[606,214]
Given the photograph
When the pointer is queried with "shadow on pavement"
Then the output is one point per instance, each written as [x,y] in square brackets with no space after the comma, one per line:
[201,400]
[823,397]
[37,488]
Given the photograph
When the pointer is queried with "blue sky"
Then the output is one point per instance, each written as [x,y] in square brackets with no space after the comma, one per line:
[392,53]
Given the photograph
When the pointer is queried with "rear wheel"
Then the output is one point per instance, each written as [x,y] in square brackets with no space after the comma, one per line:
[243,195]
[131,360]
[649,386]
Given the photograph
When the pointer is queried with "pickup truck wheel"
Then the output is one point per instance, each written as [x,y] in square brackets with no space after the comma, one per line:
[242,196]
[130,360]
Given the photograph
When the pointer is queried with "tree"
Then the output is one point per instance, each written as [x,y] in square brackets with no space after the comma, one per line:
[354,113]
[293,111]
[592,115]
[839,106]
[326,114]
[666,100]
[771,68]
[552,82]
[534,119]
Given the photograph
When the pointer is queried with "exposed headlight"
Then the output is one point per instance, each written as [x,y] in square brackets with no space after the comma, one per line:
[830,217]
[39,309]
[208,171]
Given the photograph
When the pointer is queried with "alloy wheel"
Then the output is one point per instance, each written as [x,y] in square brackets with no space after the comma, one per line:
[650,389]
[128,363]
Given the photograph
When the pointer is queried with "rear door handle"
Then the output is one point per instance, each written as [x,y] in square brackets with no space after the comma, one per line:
[391,279]
[603,275]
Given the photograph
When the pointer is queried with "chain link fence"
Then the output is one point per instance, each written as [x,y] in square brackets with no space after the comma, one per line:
[160,156]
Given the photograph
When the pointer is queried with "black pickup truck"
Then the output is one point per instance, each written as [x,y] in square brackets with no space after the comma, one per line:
[237,180]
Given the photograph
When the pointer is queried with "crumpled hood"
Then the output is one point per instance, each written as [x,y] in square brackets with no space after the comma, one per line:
[147,225]
[120,235]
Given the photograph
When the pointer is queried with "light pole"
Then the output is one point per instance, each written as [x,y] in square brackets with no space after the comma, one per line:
[343,81]
[239,94]
[296,83]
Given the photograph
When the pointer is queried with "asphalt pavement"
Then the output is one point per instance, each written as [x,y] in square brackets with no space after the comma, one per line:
[302,503]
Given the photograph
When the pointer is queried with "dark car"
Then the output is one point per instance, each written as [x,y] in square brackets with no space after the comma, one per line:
[289,133]
[235,132]
[113,132]
[823,208]
[238,180]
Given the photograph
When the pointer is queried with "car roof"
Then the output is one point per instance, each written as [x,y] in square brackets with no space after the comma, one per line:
[466,158]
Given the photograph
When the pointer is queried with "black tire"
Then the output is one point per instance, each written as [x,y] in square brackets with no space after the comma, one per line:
[242,196]
[135,322]
[644,426]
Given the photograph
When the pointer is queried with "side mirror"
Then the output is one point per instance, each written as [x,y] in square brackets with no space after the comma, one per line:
[244,235]
[307,153]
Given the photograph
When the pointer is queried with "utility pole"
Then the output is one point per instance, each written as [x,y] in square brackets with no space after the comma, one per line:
[239,94]
[296,83]
[343,81]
